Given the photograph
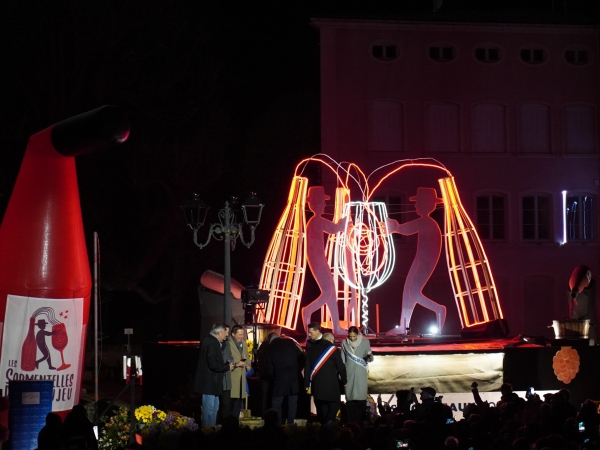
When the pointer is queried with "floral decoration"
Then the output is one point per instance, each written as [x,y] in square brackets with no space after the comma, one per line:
[155,426]
[250,345]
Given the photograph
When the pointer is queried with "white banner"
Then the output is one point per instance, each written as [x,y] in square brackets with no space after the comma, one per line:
[42,340]
[445,373]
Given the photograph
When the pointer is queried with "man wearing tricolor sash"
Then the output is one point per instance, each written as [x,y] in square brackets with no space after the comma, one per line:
[325,377]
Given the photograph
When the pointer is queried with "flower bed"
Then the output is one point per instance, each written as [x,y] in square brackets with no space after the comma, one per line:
[158,429]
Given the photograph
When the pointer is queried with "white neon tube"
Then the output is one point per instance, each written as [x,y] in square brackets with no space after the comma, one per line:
[564,214]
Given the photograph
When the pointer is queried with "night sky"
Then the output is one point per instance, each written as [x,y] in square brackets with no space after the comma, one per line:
[223,99]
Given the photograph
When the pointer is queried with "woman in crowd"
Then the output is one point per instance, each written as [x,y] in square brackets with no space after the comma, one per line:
[356,354]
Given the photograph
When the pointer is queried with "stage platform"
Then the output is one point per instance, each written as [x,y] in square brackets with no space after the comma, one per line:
[449,364]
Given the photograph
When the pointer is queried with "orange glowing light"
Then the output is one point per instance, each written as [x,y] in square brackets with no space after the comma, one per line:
[470,273]
[346,294]
[420,162]
[284,268]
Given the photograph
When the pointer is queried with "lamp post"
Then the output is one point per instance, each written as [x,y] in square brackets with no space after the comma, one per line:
[228,229]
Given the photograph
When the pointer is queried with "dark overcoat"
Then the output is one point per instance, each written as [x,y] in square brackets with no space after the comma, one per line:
[227,356]
[284,363]
[328,382]
[211,367]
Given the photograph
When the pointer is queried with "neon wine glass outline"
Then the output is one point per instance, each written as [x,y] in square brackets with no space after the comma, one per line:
[371,250]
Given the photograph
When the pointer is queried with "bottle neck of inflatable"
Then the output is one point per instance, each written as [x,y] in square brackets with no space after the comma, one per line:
[45,279]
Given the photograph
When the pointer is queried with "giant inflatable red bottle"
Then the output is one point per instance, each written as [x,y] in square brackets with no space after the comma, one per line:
[45,281]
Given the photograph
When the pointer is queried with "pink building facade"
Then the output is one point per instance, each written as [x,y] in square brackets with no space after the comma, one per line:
[512,111]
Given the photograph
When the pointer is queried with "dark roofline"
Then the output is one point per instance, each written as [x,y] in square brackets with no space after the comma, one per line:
[522,16]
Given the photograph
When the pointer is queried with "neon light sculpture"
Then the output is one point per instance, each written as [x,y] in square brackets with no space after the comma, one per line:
[315,255]
[284,268]
[469,268]
[368,243]
[429,248]
[285,265]
[346,294]
[364,253]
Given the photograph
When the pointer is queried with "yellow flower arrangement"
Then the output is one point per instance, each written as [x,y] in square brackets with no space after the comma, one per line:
[153,424]
[250,345]
[145,414]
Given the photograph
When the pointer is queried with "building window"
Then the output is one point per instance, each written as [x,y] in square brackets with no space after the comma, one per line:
[534,128]
[443,127]
[533,55]
[580,217]
[579,123]
[442,53]
[385,126]
[577,57]
[536,214]
[488,129]
[487,54]
[384,52]
[491,217]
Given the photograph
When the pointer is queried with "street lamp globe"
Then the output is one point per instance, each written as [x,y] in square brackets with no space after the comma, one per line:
[195,211]
[252,208]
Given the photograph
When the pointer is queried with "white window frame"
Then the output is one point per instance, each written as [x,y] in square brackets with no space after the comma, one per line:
[536,224]
[490,211]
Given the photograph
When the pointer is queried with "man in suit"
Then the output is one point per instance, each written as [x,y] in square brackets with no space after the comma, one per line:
[314,334]
[266,379]
[325,376]
[284,362]
[209,374]
[241,359]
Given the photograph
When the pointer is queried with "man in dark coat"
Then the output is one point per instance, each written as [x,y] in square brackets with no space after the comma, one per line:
[421,410]
[225,397]
[314,334]
[209,374]
[325,382]
[266,379]
[284,362]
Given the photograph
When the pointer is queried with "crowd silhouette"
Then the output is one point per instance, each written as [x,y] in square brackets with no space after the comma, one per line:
[514,422]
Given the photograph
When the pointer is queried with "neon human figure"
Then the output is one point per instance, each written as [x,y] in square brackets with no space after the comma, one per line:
[429,246]
[317,260]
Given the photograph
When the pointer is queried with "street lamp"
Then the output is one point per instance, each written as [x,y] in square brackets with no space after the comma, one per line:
[228,229]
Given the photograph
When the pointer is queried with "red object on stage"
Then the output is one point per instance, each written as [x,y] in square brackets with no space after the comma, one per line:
[42,244]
